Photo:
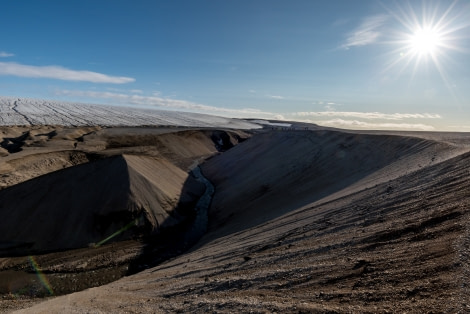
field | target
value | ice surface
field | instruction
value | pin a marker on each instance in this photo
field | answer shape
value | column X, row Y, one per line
column 26, row 111
column 265, row 122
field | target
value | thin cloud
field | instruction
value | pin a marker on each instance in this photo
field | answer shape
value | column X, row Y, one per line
column 4, row 54
column 367, row 125
column 276, row 97
column 59, row 73
column 369, row 115
column 156, row 101
column 367, row 33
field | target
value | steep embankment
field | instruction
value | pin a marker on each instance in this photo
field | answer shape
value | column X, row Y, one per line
column 84, row 204
column 276, row 172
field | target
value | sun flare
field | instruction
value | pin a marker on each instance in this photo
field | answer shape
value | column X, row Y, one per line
column 425, row 41
column 426, row 37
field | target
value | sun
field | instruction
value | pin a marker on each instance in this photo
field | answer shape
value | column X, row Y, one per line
column 426, row 37
column 425, row 41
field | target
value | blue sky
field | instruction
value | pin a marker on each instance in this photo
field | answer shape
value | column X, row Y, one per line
column 351, row 64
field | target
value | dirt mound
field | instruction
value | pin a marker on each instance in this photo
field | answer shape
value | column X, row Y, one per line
column 84, row 204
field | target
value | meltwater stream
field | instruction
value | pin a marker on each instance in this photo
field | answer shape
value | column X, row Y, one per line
column 174, row 242
column 199, row 226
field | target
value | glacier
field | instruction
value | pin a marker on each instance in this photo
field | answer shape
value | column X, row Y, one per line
column 28, row 111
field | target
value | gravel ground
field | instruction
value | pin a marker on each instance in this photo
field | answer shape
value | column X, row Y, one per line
column 394, row 240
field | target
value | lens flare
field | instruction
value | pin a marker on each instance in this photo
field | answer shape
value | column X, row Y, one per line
column 125, row 228
column 42, row 278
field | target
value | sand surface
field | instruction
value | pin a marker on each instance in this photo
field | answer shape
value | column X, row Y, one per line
column 301, row 221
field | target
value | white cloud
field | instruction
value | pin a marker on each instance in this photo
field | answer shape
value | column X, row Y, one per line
column 275, row 97
column 4, row 54
column 157, row 101
column 367, row 33
column 136, row 91
column 329, row 108
column 371, row 126
column 59, row 73
column 369, row 115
